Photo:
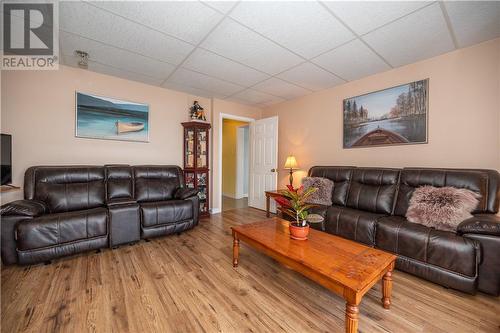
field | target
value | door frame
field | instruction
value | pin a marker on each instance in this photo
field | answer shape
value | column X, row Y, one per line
column 223, row 116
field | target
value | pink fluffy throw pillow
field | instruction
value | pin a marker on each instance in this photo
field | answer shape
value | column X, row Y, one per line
column 442, row 208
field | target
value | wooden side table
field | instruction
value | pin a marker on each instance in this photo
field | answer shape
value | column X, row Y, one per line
column 269, row 195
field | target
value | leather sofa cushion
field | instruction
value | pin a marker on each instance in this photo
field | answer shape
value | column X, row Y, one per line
column 474, row 180
column 373, row 189
column 352, row 224
column 119, row 182
column 156, row 183
column 340, row 176
column 56, row 229
column 165, row 212
column 65, row 189
column 435, row 247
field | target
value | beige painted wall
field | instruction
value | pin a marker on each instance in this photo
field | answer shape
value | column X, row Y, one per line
column 38, row 109
column 464, row 116
column 224, row 107
column 229, row 145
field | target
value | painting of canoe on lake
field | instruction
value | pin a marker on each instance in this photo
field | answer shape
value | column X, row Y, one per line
column 392, row 116
column 109, row 118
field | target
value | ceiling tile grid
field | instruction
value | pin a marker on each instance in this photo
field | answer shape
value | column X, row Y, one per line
column 265, row 52
column 186, row 20
column 113, row 71
column 352, row 61
column 91, row 22
column 201, row 81
column 280, row 88
column 365, row 16
column 422, row 35
column 311, row 77
column 214, row 65
column 254, row 97
column 239, row 43
column 302, row 27
column 111, row 56
column 474, row 22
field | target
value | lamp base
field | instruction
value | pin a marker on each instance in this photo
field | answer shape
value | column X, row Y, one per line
column 291, row 177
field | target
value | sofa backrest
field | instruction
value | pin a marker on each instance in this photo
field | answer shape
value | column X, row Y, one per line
column 483, row 182
column 156, row 183
column 373, row 189
column 341, row 177
column 119, row 181
column 65, row 188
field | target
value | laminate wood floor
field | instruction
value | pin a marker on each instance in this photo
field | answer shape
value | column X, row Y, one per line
column 187, row 283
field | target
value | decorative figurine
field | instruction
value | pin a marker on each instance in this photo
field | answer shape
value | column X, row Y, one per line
column 197, row 112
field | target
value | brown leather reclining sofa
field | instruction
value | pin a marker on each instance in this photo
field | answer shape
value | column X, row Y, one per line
column 72, row 209
column 370, row 204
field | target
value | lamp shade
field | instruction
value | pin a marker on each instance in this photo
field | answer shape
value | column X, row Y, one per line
column 291, row 163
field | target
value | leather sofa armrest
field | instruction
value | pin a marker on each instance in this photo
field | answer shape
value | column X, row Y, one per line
column 29, row 208
column 120, row 201
column 484, row 224
column 184, row 193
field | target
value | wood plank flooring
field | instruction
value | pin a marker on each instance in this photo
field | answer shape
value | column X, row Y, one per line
column 187, row 283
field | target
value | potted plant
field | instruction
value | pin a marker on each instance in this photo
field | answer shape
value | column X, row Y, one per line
column 292, row 202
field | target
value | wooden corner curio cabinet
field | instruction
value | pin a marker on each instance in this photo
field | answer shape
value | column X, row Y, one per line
column 196, row 163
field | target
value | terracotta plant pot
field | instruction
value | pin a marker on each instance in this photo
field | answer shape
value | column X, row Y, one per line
column 298, row 233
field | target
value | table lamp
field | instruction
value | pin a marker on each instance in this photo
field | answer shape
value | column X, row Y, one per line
column 291, row 164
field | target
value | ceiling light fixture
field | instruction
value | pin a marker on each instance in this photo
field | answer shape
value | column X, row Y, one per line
column 84, row 59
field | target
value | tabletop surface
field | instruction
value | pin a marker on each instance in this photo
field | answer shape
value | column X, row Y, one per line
column 352, row 264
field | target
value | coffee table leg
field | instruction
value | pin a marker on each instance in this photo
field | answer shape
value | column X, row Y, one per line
column 351, row 318
column 387, row 289
column 236, row 250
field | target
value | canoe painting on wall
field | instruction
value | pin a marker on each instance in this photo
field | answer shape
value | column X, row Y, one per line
column 108, row 118
column 393, row 116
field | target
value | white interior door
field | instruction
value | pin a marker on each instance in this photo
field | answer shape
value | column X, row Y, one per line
column 263, row 161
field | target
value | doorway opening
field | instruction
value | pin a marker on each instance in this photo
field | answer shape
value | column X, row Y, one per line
column 235, row 163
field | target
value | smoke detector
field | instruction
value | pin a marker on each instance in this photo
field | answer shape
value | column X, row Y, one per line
column 84, row 59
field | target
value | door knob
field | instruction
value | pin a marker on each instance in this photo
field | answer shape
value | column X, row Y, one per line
column 273, row 170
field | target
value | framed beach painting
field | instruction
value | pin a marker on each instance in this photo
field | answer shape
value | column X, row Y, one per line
column 393, row 116
column 108, row 118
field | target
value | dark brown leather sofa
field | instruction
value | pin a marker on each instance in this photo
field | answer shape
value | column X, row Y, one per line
column 370, row 204
column 73, row 209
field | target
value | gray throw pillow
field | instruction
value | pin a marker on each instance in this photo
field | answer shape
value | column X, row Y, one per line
column 442, row 208
column 323, row 196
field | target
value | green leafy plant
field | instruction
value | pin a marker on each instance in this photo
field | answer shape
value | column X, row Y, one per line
column 292, row 202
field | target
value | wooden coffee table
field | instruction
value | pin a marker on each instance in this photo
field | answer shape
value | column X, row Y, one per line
column 347, row 268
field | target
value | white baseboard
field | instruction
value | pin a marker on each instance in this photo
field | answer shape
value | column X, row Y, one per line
column 215, row 210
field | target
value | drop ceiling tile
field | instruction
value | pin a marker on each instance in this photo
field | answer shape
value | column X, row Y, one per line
column 221, row 6
column 236, row 42
column 303, row 27
column 187, row 20
column 418, row 36
column 281, row 88
column 310, row 76
column 219, row 67
column 189, row 78
column 352, row 61
column 364, row 16
column 474, row 22
column 253, row 97
column 93, row 23
column 111, row 56
column 108, row 70
column 189, row 90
